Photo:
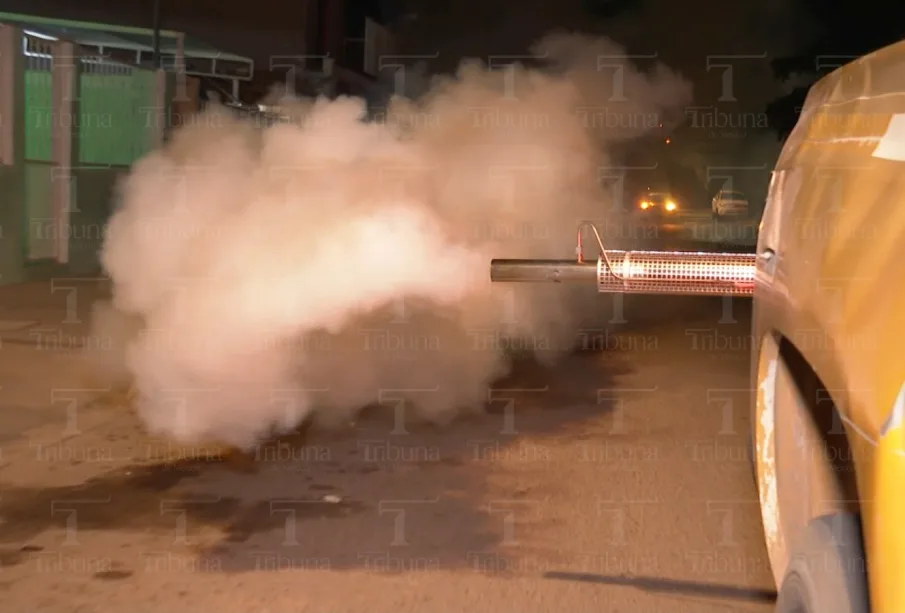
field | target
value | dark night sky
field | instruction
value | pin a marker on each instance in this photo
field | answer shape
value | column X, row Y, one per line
column 682, row 34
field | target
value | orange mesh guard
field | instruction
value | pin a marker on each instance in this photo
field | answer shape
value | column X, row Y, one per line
column 677, row 272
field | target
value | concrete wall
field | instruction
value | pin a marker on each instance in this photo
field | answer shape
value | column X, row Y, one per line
column 12, row 219
column 12, row 156
column 40, row 240
column 93, row 205
column 95, row 197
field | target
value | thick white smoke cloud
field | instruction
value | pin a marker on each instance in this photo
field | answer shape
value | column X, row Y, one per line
column 263, row 276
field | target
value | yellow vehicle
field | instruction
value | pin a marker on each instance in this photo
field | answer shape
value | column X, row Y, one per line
column 828, row 371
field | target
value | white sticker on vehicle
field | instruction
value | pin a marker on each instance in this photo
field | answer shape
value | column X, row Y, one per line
column 892, row 144
column 897, row 415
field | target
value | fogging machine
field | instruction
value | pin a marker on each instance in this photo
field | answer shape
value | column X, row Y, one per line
column 688, row 273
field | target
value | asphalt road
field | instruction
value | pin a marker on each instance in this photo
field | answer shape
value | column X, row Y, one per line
column 618, row 481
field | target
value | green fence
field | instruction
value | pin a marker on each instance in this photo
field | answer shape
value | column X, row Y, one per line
column 38, row 101
column 115, row 108
column 116, row 104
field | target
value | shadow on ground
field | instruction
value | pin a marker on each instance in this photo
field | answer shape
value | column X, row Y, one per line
column 383, row 497
column 672, row 586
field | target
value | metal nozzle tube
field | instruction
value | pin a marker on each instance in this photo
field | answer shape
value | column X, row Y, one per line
column 543, row 271
column 642, row 272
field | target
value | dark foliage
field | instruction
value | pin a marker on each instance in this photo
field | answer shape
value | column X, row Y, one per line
column 845, row 31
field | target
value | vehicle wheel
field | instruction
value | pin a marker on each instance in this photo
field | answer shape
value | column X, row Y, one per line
column 827, row 571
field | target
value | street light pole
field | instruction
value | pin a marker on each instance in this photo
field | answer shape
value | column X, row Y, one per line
column 156, row 27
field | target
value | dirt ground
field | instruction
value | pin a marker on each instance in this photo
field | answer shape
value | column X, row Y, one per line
column 619, row 481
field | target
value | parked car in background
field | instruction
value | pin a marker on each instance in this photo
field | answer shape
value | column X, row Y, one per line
column 730, row 202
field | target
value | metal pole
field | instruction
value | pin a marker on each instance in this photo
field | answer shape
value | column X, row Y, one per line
column 156, row 26
column 542, row 271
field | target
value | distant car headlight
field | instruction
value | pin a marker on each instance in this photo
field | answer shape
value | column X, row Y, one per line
column 645, row 205
column 671, row 206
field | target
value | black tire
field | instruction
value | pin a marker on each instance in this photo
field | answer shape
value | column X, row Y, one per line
column 826, row 574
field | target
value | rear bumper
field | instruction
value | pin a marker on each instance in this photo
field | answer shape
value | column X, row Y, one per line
column 735, row 209
column 658, row 213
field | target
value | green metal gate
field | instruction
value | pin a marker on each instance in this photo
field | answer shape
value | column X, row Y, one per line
column 116, row 108
column 116, row 105
column 38, row 243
